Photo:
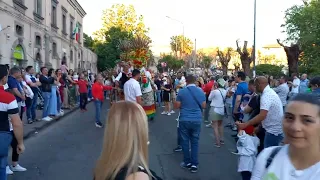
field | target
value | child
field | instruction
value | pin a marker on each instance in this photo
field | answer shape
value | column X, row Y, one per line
column 247, row 146
column 83, row 91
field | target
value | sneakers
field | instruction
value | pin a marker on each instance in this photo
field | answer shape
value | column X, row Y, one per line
column 178, row 149
column 47, row 118
column 164, row 112
column 169, row 114
column 185, row 166
column 194, row 169
column 8, row 171
column 99, row 125
column 209, row 125
column 18, row 168
column 172, row 112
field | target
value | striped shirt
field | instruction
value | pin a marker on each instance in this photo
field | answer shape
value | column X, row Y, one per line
column 8, row 106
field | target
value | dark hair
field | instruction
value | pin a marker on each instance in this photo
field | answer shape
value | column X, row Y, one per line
column 8, row 67
column 28, row 68
column 307, row 98
column 135, row 72
column 190, row 79
column 241, row 75
column 50, row 71
column 212, row 78
column 14, row 70
column 230, row 80
column 315, row 81
column 42, row 68
column 3, row 71
column 284, row 77
column 251, row 82
column 225, row 78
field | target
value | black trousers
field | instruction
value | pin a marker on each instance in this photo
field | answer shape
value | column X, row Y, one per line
column 83, row 100
column 246, row 175
column 14, row 145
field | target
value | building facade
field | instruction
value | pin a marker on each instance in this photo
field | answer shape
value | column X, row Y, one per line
column 43, row 33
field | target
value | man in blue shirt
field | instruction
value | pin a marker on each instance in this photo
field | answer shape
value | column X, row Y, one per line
column 190, row 100
column 238, row 96
column 14, row 86
column 304, row 83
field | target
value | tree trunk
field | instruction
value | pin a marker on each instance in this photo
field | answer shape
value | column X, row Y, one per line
column 246, row 66
column 224, row 69
column 293, row 54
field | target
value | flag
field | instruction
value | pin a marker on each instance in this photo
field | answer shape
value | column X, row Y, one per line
column 76, row 33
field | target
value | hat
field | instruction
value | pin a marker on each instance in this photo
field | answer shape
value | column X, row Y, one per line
column 221, row 82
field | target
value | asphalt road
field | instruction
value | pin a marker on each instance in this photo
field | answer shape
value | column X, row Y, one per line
column 68, row 149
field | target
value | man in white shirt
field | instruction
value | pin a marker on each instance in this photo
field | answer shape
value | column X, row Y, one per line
column 271, row 114
column 132, row 89
column 295, row 85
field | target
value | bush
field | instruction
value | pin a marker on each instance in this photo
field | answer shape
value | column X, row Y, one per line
column 269, row 69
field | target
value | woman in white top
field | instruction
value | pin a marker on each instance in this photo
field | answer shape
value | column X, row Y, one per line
column 217, row 97
column 300, row 158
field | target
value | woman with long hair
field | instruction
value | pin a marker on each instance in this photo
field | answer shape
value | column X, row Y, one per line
column 53, row 106
column 300, row 157
column 125, row 146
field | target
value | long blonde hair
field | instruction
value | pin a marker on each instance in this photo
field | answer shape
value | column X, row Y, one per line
column 125, row 143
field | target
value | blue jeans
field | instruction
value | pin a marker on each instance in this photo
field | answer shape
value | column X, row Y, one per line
column 158, row 93
column 46, row 98
column 179, row 138
column 206, row 111
column 89, row 93
column 59, row 103
column 190, row 134
column 98, row 105
column 272, row 140
column 31, row 111
column 5, row 141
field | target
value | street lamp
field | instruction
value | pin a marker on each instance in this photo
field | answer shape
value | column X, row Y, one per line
column 254, row 38
column 182, row 29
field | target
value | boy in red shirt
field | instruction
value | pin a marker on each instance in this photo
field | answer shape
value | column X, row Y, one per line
column 97, row 92
column 83, row 91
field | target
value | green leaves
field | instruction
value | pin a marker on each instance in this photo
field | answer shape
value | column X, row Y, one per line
column 181, row 44
column 269, row 69
column 172, row 63
column 302, row 24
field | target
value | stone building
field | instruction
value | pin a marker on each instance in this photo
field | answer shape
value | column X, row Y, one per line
column 40, row 33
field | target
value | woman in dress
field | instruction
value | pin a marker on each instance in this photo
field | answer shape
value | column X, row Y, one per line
column 125, row 147
column 53, row 106
column 166, row 96
column 300, row 158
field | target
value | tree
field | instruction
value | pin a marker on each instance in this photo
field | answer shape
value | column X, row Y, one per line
column 123, row 17
column 245, row 57
column 302, row 25
column 224, row 58
column 172, row 63
column 181, row 44
column 271, row 70
column 88, row 42
column 207, row 61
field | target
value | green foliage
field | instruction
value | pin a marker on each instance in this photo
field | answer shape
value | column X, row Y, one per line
column 172, row 63
column 182, row 44
column 88, row 42
column 120, row 23
column 207, row 61
column 302, row 24
column 271, row 70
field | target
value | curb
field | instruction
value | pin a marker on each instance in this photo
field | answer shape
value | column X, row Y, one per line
column 45, row 125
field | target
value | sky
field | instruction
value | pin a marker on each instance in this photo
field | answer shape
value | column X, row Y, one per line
column 210, row 22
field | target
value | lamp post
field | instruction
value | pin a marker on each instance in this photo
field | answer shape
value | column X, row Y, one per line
column 254, row 38
column 182, row 30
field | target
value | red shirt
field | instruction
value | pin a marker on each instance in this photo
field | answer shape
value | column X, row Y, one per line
column 83, row 86
column 207, row 88
column 98, row 90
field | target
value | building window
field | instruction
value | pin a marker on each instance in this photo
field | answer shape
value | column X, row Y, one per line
column 54, row 50
column 19, row 30
column 71, row 28
column 71, row 56
column 54, row 15
column 38, row 41
column 64, row 23
column 38, row 7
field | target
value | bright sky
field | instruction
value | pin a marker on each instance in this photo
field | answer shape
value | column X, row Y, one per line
column 210, row 22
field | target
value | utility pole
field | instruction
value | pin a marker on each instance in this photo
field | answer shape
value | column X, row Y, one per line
column 195, row 54
column 254, row 38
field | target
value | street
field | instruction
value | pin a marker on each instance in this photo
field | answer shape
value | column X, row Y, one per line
column 69, row 148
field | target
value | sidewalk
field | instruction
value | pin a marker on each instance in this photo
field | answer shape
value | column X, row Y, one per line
column 30, row 129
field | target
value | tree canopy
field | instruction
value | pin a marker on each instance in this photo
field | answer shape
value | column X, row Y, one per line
column 181, row 44
column 302, row 25
column 172, row 63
